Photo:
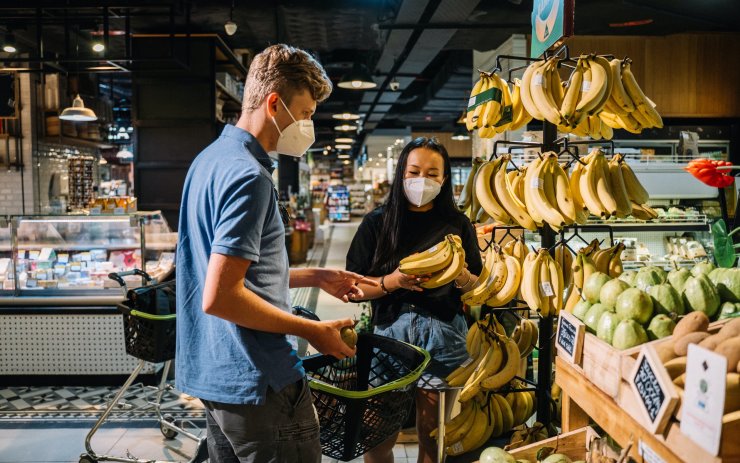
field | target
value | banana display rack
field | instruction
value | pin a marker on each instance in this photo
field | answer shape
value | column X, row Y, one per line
column 363, row 400
column 149, row 329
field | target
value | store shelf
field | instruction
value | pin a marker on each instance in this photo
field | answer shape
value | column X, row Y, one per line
column 226, row 92
column 79, row 142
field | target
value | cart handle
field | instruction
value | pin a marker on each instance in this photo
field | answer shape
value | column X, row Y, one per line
column 137, row 313
column 118, row 277
column 412, row 377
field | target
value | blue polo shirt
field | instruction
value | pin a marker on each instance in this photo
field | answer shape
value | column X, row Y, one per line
column 229, row 206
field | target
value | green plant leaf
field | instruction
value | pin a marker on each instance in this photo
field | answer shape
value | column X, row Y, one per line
column 724, row 249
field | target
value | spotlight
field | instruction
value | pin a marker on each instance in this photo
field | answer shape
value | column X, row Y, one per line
column 9, row 44
column 346, row 116
column 344, row 140
column 230, row 27
column 98, row 47
column 345, row 128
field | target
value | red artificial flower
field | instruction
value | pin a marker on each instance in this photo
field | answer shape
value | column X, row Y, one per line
column 705, row 170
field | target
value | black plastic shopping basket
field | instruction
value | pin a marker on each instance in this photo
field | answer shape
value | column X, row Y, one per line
column 149, row 320
column 363, row 400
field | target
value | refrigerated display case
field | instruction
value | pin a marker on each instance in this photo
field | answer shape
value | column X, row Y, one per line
column 58, row 314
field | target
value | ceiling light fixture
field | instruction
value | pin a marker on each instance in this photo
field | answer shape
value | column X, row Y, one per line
column 9, row 44
column 346, row 116
column 343, row 147
column 78, row 112
column 125, row 154
column 357, row 79
column 639, row 22
column 230, row 26
column 98, row 47
column 343, row 156
column 344, row 140
column 460, row 134
column 345, row 128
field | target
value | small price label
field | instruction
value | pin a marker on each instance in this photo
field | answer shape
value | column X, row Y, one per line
column 95, row 210
column 569, row 338
column 649, row 454
column 432, row 249
column 457, row 447
column 537, row 184
column 586, row 86
column 467, row 362
column 539, row 79
column 651, row 384
column 119, row 211
column 546, row 288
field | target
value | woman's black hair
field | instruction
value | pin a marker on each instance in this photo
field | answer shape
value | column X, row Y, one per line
column 396, row 207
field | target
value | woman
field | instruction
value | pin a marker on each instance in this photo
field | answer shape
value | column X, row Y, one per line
column 418, row 213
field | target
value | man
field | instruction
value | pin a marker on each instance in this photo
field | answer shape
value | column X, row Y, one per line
column 233, row 278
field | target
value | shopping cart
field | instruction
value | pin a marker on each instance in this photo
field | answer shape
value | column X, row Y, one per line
column 363, row 400
column 149, row 329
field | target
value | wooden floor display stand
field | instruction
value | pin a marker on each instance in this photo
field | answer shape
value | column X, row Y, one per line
column 582, row 401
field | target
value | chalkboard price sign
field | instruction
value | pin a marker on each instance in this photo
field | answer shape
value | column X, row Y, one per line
column 569, row 340
column 655, row 394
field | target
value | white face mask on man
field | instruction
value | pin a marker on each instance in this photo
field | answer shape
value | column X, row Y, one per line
column 420, row 191
column 296, row 138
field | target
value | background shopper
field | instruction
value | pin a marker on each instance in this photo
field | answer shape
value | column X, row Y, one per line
column 418, row 213
column 233, row 278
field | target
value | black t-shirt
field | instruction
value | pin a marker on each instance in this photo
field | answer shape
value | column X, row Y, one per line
column 419, row 231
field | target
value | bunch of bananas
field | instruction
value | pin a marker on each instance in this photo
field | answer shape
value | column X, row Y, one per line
column 498, row 282
column 494, row 361
column 494, row 108
column 609, row 188
column 525, row 335
column 592, row 259
column 628, row 108
column 542, row 283
column 443, row 262
column 600, row 95
column 524, row 435
column 564, row 257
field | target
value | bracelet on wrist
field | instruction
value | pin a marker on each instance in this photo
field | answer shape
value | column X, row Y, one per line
column 382, row 285
column 459, row 286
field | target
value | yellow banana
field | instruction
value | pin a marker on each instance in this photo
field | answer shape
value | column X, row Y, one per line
column 507, row 372
column 526, row 95
column 490, row 364
column 619, row 94
column 432, row 260
column 511, row 286
column 541, row 94
column 637, row 193
column 531, row 183
column 547, row 286
column 595, row 93
column 587, row 184
column 563, row 194
column 466, row 196
column 477, row 431
column 485, row 194
column 507, row 414
column 572, row 95
column 452, row 271
column 503, row 193
column 616, row 181
column 539, row 190
column 530, row 281
column 520, row 115
column 644, row 105
column 471, row 117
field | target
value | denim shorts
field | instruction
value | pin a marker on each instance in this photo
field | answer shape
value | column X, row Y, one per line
column 284, row 429
column 444, row 341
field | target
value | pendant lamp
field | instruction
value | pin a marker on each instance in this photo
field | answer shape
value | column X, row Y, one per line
column 78, row 112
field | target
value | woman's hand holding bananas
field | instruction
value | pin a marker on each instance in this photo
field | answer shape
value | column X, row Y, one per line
column 398, row 280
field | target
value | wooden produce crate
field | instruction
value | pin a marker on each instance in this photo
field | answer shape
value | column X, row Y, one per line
column 606, row 366
column 573, row 444
column 620, row 417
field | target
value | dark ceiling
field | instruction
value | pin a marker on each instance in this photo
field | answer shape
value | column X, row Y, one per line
column 424, row 45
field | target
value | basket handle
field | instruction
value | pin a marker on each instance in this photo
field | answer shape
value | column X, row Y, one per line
column 118, row 277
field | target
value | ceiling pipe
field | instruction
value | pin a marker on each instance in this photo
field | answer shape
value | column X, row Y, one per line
column 453, row 25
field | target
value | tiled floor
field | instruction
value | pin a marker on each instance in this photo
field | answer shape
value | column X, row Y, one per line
column 39, row 441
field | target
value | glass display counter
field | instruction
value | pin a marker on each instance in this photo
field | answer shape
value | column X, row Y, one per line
column 58, row 313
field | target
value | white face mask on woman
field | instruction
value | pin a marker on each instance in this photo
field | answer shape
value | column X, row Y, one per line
column 420, row 191
column 296, row 138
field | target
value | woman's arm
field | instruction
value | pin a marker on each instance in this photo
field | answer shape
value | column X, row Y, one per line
column 390, row 283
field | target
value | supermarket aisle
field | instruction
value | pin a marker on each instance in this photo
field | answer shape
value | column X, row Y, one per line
column 328, row 307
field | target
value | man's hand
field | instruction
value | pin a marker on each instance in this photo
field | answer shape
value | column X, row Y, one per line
column 342, row 284
column 326, row 338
